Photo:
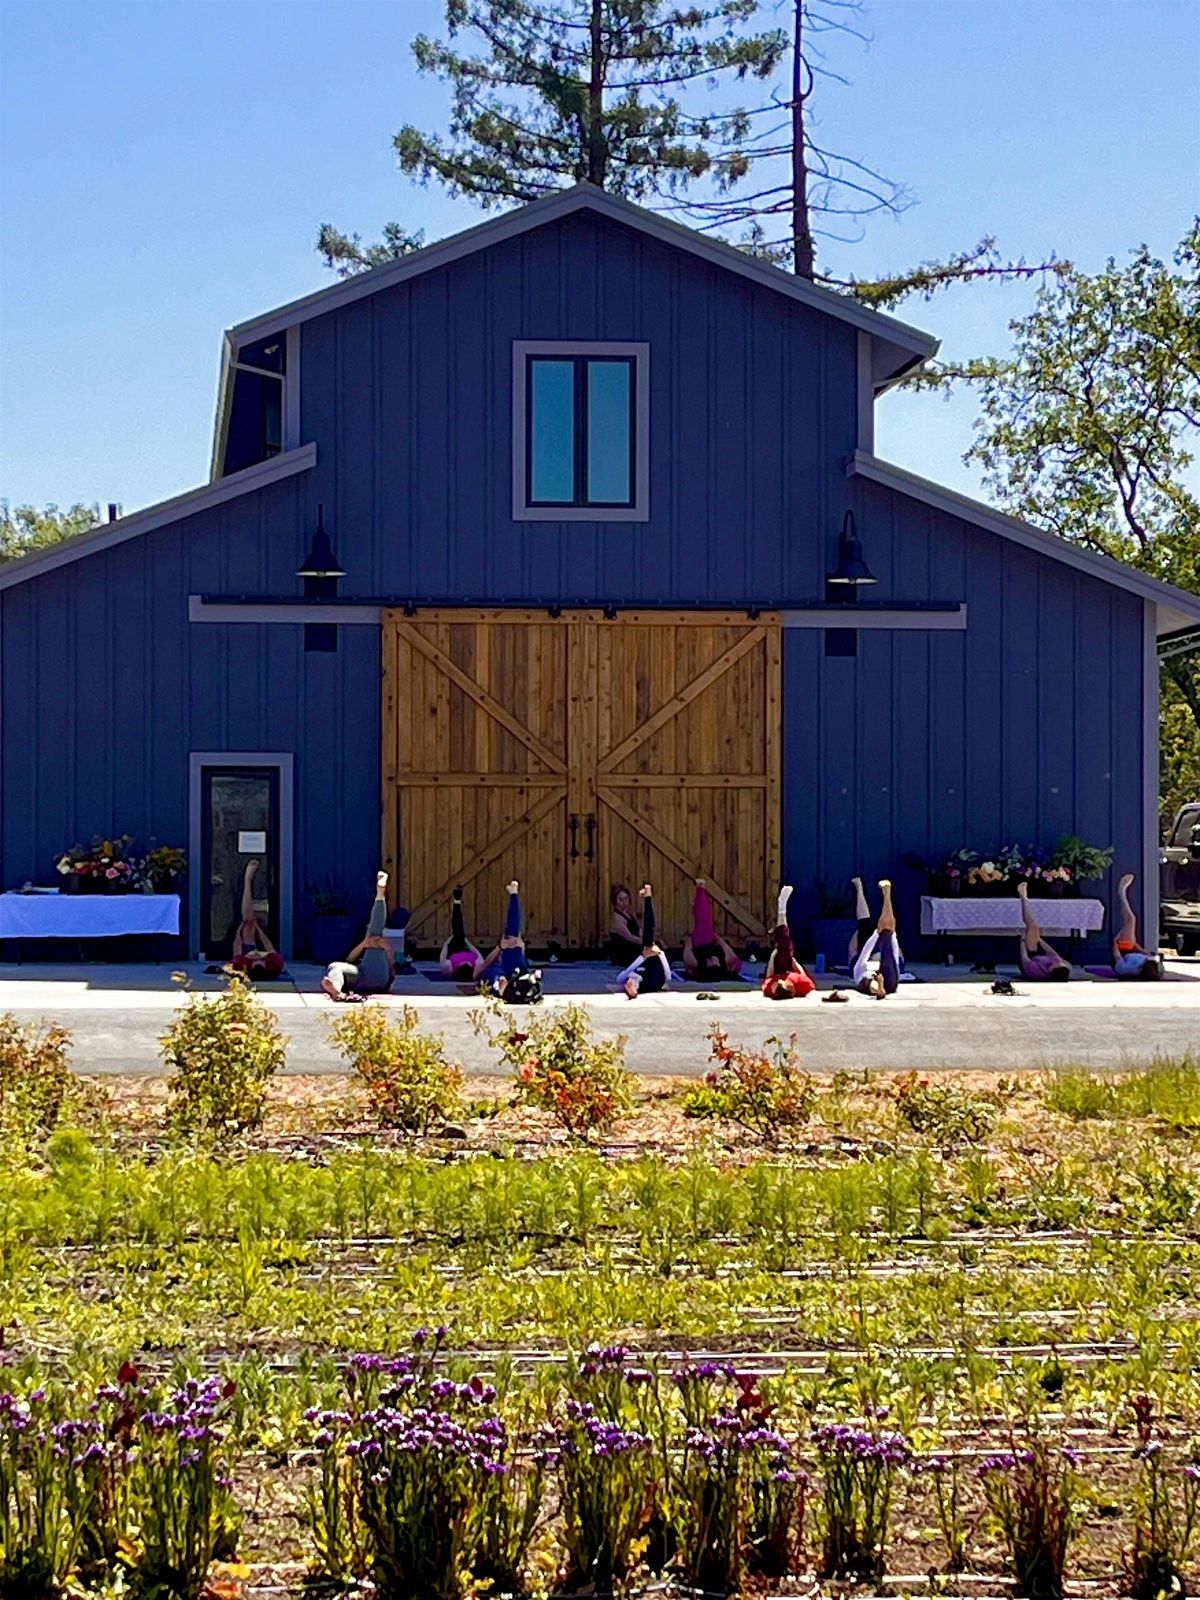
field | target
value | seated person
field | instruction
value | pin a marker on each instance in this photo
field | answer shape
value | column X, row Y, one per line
column 504, row 971
column 624, row 930
column 253, row 953
column 651, row 972
column 1039, row 962
column 877, row 966
column 706, row 956
column 370, row 966
column 459, row 956
column 785, row 978
column 1130, row 958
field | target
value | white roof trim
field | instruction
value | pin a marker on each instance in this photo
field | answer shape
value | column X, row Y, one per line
column 1175, row 606
column 140, row 522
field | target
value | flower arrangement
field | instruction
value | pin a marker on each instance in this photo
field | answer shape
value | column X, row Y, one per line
column 999, row 871
column 110, row 865
column 106, row 864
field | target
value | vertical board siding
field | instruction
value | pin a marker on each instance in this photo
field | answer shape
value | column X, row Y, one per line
column 1026, row 725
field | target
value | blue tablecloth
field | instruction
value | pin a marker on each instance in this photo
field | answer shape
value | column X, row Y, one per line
column 86, row 916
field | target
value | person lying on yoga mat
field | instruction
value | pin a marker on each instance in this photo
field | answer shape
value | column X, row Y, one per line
column 459, row 956
column 651, row 972
column 1131, row 959
column 877, row 967
column 1039, row 961
column 253, row 953
column 504, row 971
column 706, row 956
column 785, row 979
column 370, row 966
column 624, row 930
column 865, row 926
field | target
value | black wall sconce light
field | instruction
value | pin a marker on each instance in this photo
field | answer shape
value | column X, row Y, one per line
column 851, row 572
column 320, row 571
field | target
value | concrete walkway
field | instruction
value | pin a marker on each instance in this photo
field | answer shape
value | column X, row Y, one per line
column 949, row 1019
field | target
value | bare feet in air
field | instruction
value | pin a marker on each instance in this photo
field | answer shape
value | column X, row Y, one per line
column 1023, row 891
column 645, row 891
column 1125, row 880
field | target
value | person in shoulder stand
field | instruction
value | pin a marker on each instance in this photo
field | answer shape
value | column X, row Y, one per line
column 651, row 972
column 785, row 978
column 370, row 967
column 877, row 966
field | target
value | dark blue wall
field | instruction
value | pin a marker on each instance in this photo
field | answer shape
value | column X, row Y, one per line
column 1026, row 725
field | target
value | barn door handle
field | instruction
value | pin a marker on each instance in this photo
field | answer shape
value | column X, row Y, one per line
column 590, row 825
column 573, row 824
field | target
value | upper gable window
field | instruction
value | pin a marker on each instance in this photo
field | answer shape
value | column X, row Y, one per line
column 580, row 431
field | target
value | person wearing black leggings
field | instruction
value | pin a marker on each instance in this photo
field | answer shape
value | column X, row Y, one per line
column 877, row 969
column 459, row 956
column 650, row 972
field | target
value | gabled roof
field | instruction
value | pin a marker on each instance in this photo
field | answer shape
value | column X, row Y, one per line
column 1176, row 608
column 896, row 346
column 166, row 511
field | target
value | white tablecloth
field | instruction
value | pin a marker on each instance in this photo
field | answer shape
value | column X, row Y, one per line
column 86, row 916
column 964, row 914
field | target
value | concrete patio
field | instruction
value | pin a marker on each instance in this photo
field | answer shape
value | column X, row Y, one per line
column 946, row 1020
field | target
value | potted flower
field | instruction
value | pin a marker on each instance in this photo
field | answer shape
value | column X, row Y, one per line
column 955, row 869
column 331, row 927
column 159, row 868
column 1082, row 862
column 989, row 878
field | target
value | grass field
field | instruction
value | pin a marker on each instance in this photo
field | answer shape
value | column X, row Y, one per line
column 1009, row 1270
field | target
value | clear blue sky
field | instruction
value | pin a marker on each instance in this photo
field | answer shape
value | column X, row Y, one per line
column 164, row 165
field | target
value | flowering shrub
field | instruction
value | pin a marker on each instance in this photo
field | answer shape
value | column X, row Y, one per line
column 35, row 1076
column 767, row 1094
column 944, row 1111
column 1166, row 1513
column 421, row 1486
column 858, row 1470
column 738, row 1500
column 112, row 1487
column 1031, row 1491
column 606, row 1487
column 222, row 1051
column 560, row 1069
column 410, row 1084
column 182, row 1485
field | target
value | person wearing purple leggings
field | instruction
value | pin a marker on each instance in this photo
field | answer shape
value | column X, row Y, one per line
column 877, row 968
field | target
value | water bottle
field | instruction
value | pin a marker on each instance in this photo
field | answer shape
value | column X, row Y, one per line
column 820, row 961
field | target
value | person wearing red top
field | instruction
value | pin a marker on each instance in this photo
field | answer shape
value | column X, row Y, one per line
column 786, row 979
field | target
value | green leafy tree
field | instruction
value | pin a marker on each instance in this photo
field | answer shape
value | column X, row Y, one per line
column 26, row 528
column 621, row 93
column 1089, row 428
column 568, row 91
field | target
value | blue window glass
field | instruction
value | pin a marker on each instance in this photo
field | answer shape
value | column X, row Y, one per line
column 552, row 432
column 609, row 432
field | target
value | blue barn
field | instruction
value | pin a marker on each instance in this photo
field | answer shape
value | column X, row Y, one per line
column 522, row 556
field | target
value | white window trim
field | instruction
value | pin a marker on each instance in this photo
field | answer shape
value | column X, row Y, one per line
column 639, row 511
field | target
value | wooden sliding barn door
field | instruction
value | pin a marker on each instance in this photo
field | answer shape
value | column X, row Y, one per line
column 475, row 773
column 687, row 768
column 574, row 753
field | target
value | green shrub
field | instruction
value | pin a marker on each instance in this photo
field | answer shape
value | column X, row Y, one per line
column 580, row 1081
column 1166, row 1087
column 35, row 1077
column 222, row 1051
column 766, row 1094
column 410, row 1084
column 943, row 1111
